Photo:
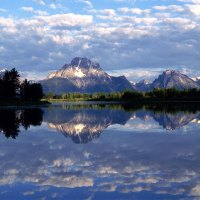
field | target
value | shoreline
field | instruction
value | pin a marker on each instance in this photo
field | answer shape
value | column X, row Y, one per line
column 139, row 101
column 24, row 103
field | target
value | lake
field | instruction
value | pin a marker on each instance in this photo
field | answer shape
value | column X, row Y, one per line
column 100, row 151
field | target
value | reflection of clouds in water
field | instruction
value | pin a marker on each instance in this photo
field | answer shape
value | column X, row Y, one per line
column 195, row 191
column 119, row 161
column 136, row 125
column 122, row 162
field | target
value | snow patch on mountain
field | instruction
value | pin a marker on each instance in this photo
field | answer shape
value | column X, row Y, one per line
column 79, row 128
column 79, row 73
column 174, row 79
column 86, row 76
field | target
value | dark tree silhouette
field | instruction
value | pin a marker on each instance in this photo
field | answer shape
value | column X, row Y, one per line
column 31, row 91
column 36, row 91
column 12, row 89
column 11, row 84
column 24, row 90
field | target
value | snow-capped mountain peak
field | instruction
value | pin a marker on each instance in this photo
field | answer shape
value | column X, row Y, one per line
column 84, row 75
column 79, row 73
column 174, row 79
column 78, row 68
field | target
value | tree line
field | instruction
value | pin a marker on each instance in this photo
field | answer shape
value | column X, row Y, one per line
column 132, row 95
column 11, row 88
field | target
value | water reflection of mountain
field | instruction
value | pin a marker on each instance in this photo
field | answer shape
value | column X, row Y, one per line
column 12, row 119
column 84, row 123
column 174, row 121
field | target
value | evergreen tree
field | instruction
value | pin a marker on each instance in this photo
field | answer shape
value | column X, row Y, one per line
column 31, row 91
column 11, row 84
column 25, row 90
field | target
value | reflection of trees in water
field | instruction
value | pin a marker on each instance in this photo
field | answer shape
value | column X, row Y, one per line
column 9, row 123
column 10, row 120
column 85, row 122
column 32, row 117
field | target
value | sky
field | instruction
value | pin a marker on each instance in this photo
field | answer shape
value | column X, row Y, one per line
column 135, row 38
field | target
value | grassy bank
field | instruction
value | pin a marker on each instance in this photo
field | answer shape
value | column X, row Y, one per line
column 155, row 96
column 129, row 101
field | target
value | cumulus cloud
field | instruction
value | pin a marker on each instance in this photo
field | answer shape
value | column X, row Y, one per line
column 123, row 37
column 132, row 163
column 87, row 2
column 56, row 6
column 62, row 20
column 194, row 9
column 37, row 12
column 138, row 74
column 136, row 11
column 40, row 2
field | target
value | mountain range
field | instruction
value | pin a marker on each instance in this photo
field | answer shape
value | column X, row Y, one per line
column 83, row 124
column 85, row 76
column 168, row 79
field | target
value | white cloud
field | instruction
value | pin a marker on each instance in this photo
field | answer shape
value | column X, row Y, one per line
column 28, row 9
column 56, row 6
column 136, row 11
column 3, row 10
column 194, row 9
column 164, row 34
column 132, row 2
column 40, row 2
column 37, row 12
column 171, row 8
column 69, row 19
column 137, row 74
column 87, row 2
column 190, row 1
column 106, row 12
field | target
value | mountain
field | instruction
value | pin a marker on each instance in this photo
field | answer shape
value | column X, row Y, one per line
column 83, row 124
column 83, row 75
column 143, row 86
column 197, row 80
column 174, row 79
column 175, row 121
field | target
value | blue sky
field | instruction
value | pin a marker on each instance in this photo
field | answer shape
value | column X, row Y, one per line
column 137, row 38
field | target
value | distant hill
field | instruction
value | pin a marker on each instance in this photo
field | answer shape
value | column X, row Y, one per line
column 143, row 85
column 168, row 79
column 197, row 80
column 174, row 79
column 86, row 76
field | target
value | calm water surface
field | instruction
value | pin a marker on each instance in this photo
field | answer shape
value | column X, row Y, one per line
column 72, row 151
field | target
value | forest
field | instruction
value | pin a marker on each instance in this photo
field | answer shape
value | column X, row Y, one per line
column 12, row 88
column 171, row 94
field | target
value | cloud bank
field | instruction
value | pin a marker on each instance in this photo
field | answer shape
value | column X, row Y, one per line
column 121, row 35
